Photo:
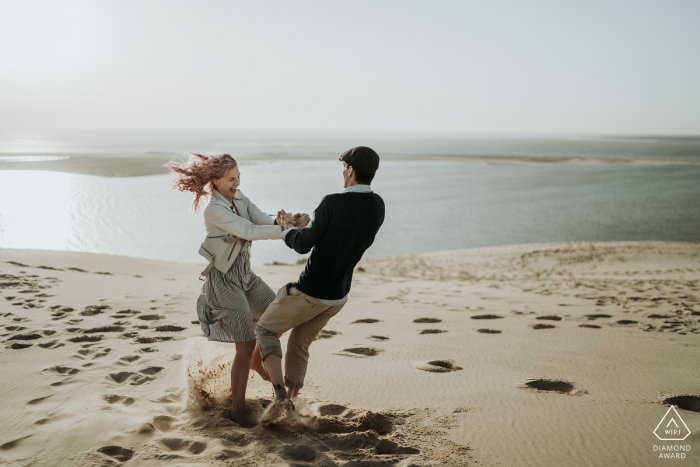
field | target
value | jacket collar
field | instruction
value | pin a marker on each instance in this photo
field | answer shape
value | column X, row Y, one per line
column 218, row 197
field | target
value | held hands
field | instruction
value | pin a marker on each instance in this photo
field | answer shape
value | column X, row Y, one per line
column 301, row 220
column 288, row 221
column 283, row 218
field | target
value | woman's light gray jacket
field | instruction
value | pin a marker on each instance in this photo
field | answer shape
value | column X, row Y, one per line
column 225, row 228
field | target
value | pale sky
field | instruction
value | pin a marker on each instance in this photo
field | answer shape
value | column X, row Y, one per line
column 606, row 67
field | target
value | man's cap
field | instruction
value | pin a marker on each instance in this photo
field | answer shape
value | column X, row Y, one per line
column 362, row 159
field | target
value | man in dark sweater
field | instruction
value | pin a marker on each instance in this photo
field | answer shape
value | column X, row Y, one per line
column 344, row 226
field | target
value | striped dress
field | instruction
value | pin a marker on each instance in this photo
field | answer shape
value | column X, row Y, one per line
column 230, row 304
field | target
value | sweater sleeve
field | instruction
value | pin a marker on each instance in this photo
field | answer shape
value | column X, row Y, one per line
column 222, row 218
column 303, row 240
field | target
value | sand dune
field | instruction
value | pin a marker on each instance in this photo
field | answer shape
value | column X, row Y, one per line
column 553, row 354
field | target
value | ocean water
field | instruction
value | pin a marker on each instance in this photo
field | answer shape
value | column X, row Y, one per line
column 430, row 206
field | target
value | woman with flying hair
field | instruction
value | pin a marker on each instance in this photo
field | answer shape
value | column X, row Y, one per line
column 233, row 297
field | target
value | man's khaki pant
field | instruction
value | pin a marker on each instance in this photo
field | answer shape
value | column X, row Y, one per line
column 305, row 316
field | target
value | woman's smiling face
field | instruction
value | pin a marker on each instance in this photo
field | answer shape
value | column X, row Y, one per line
column 228, row 184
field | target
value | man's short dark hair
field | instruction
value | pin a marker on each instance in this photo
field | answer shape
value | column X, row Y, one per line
column 364, row 162
column 364, row 178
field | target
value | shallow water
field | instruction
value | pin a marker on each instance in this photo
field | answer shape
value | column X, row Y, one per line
column 431, row 206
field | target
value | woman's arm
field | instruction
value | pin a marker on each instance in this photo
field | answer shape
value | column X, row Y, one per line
column 222, row 218
column 257, row 216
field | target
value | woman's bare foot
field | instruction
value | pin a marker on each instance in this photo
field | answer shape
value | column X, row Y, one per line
column 241, row 418
column 256, row 365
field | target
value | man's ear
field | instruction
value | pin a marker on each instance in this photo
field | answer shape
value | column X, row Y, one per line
column 351, row 173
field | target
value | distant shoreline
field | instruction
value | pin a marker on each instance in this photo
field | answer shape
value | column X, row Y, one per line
column 144, row 164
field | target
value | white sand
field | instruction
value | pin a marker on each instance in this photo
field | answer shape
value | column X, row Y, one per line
column 132, row 398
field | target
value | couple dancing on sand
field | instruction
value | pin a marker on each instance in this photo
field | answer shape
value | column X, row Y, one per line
column 235, row 305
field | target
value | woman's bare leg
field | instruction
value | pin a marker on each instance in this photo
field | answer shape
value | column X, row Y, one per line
column 256, row 364
column 239, row 381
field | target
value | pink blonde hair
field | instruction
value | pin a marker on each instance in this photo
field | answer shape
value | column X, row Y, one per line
column 197, row 174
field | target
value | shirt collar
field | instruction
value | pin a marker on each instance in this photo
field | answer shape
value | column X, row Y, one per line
column 358, row 189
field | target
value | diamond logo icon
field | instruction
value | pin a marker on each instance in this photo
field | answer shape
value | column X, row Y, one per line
column 672, row 427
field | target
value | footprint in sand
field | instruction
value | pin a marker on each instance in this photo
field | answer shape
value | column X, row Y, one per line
column 331, row 409
column 627, row 321
column 62, row 370
column 152, row 340
column 488, row 331
column 163, row 422
column 597, row 316
column 86, row 338
column 427, row 320
column 550, row 318
column 134, row 379
column 76, row 269
column 125, row 314
column 115, row 399
column 104, row 329
column 360, row 352
column 94, row 353
column 13, row 444
column 152, row 370
column 590, row 326
column 486, row 317
column 169, row 328
column 178, row 444
column 126, row 359
column 431, row 331
column 541, row 326
column 151, row 317
column 439, row 366
column 366, row 320
column 169, row 399
column 51, row 345
column 18, row 346
column 38, row 400
column 93, row 310
column 689, row 402
column 116, row 452
column 559, row 386
column 378, row 338
column 25, row 337
column 325, row 334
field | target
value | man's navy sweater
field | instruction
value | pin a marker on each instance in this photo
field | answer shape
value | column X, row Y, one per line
column 344, row 226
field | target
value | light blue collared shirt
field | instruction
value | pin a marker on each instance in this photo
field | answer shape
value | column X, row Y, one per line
column 351, row 189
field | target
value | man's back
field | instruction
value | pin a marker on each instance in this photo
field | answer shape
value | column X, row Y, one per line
column 344, row 226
